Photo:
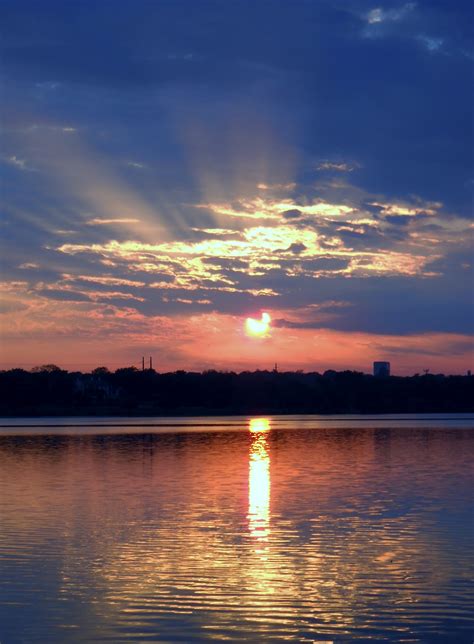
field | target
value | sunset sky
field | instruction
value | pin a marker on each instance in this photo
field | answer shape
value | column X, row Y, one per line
column 169, row 169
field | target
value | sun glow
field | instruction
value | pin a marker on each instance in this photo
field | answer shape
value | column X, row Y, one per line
column 258, row 327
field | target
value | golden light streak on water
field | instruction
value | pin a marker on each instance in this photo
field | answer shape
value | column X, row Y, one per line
column 259, row 480
column 259, row 425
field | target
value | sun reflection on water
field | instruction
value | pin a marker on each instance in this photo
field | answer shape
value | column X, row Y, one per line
column 259, row 480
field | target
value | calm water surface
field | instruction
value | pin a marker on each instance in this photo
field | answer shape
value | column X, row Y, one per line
column 299, row 529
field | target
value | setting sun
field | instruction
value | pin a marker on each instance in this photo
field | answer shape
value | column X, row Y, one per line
column 258, row 327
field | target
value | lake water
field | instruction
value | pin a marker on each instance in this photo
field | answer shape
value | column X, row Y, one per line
column 299, row 529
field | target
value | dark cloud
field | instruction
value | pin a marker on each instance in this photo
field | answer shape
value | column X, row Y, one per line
column 292, row 214
column 451, row 347
column 363, row 237
column 296, row 248
column 66, row 296
column 326, row 264
column 398, row 220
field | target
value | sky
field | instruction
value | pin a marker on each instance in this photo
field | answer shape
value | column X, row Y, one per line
column 169, row 169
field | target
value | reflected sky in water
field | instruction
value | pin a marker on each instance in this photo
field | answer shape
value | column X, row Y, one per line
column 256, row 533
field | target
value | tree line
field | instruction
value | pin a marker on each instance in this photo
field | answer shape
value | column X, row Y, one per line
column 49, row 390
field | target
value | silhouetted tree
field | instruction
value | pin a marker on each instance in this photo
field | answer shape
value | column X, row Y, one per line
column 48, row 390
column 100, row 371
column 46, row 368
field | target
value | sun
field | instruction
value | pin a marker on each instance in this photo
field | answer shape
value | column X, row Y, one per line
column 258, row 328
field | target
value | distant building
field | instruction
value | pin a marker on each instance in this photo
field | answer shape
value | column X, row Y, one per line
column 381, row 369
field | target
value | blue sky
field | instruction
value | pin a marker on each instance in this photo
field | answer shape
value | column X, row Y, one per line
column 168, row 166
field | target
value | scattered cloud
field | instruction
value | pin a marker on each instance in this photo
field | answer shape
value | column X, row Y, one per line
column 428, row 209
column 50, row 85
column 102, row 279
column 28, row 265
column 337, row 167
column 48, row 127
column 260, row 208
column 379, row 15
column 430, row 42
column 185, row 260
column 188, row 56
column 64, row 291
column 277, row 186
column 136, row 165
column 97, row 221
column 18, row 163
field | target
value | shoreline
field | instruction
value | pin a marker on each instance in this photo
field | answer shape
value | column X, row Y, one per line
column 233, row 419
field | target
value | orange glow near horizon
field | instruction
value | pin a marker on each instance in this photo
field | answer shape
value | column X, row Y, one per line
column 86, row 335
column 259, row 480
column 258, row 328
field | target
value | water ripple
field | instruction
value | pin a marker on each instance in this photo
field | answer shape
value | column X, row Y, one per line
column 258, row 534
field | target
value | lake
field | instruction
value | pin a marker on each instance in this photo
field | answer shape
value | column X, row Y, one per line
column 301, row 529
